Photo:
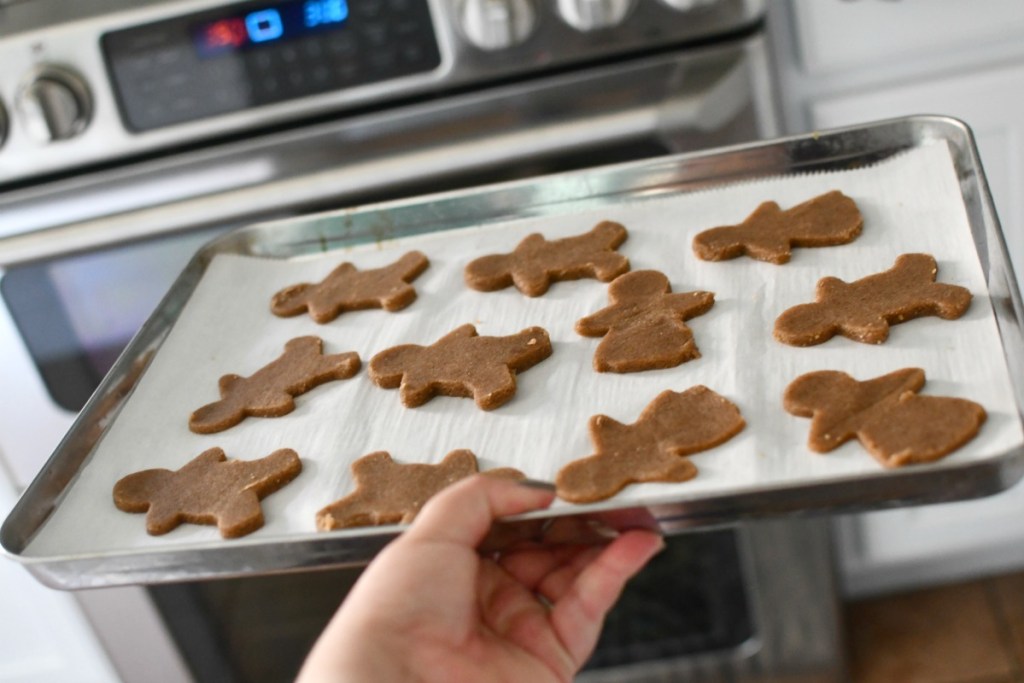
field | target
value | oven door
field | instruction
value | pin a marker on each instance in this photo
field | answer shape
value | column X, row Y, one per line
column 86, row 258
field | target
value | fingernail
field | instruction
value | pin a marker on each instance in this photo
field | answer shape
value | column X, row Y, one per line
column 537, row 484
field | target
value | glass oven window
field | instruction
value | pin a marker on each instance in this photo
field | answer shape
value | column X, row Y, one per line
column 77, row 313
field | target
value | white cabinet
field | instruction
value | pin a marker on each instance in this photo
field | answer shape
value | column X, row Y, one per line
column 841, row 62
column 44, row 637
column 990, row 101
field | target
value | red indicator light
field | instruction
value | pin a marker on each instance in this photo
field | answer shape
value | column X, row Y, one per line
column 226, row 33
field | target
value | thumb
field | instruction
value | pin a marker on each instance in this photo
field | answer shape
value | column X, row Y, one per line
column 464, row 512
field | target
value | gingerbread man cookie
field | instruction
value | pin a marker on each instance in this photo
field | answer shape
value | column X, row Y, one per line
column 271, row 390
column 896, row 425
column 673, row 425
column 390, row 493
column 210, row 489
column 644, row 326
column 461, row 364
column 536, row 262
column 769, row 234
column 348, row 289
column 863, row 310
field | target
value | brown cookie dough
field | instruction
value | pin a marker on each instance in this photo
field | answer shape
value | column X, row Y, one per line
column 536, row 262
column 644, row 326
column 271, row 390
column 651, row 449
column 769, row 233
column 348, row 289
column 896, row 425
column 863, row 310
column 210, row 489
column 461, row 364
column 390, row 493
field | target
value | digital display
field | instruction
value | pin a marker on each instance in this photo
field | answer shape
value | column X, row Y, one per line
column 269, row 24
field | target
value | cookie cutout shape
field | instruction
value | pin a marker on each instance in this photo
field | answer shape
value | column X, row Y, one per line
column 644, row 326
column 461, row 363
column 271, row 390
column 673, row 425
column 863, row 310
column 390, row 493
column 769, row 233
column 536, row 262
column 210, row 489
column 348, row 289
column 896, row 425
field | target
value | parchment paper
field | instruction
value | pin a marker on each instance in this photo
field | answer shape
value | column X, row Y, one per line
column 910, row 203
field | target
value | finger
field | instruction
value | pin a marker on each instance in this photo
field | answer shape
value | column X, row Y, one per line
column 557, row 583
column 463, row 512
column 577, row 618
column 530, row 566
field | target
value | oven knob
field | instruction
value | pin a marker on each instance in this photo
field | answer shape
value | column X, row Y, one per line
column 497, row 24
column 685, row 5
column 55, row 104
column 591, row 15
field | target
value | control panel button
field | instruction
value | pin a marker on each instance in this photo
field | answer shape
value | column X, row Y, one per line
column 55, row 104
column 592, row 15
column 496, row 24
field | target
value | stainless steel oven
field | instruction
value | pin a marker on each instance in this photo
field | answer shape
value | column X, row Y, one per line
column 132, row 132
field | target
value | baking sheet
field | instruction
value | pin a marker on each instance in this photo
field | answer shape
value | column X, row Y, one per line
column 910, row 203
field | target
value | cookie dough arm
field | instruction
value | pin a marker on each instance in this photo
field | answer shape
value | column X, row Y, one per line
column 597, row 324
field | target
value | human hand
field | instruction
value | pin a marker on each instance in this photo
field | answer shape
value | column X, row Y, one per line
column 431, row 607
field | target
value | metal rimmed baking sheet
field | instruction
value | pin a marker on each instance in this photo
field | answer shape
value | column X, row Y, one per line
column 916, row 180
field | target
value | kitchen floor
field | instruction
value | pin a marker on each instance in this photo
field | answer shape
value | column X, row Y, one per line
column 969, row 632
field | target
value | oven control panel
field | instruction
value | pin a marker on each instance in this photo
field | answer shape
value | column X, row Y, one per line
column 252, row 54
column 97, row 82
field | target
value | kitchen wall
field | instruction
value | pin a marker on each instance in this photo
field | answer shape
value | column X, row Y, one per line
column 843, row 62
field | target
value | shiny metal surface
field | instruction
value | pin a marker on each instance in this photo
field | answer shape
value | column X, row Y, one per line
column 31, row 37
column 497, row 24
column 3, row 124
column 594, row 15
column 841, row 148
column 681, row 100
column 54, row 104
column 796, row 616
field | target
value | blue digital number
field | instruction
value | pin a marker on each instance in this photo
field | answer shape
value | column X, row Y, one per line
column 322, row 12
column 264, row 25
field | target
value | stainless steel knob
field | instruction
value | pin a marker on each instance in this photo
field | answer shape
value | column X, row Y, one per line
column 685, row 5
column 591, row 15
column 497, row 24
column 54, row 104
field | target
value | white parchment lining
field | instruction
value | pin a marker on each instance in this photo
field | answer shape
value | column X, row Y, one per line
column 911, row 203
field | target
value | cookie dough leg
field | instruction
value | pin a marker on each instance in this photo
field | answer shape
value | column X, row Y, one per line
column 240, row 516
column 493, row 386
